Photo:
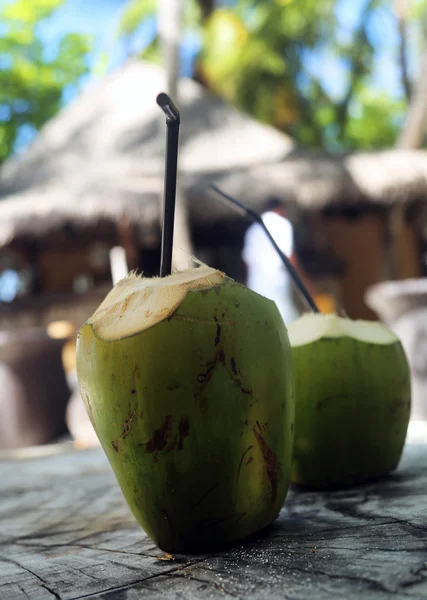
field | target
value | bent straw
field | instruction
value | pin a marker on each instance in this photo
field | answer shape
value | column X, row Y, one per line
column 254, row 216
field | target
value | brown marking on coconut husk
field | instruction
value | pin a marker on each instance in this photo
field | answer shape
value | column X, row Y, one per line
column 177, row 441
column 211, row 365
column 243, row 389
column 115, row 445
column 171, row 446
column 161, row 436
column 127, row 424
column 218, row 334
column 248, row 449
column 237, row 377
column 205, row 377
column 183, row 431
column 271, row 462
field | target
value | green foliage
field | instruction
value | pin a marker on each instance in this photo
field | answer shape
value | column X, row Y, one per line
column 375, row 120
column 253, row 55
column 32, row 84
column 133, row 15
column 256, row 54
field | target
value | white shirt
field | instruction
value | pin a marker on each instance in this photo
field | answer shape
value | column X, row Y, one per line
column 267, row 275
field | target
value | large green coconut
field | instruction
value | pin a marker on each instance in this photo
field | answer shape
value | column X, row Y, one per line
column 353, row 400
column 188, row 382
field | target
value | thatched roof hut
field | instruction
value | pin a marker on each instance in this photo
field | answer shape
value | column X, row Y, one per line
column 99, row 164
column 102, row 157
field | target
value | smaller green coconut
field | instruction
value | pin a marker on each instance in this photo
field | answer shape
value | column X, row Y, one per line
column 353, row 400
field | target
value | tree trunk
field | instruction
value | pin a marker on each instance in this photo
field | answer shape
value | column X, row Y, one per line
column 401, row 8
column 414, row 129
column 169, row 23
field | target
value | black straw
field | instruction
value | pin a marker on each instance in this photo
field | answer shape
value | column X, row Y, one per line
column 254, row 216
column 171, row 164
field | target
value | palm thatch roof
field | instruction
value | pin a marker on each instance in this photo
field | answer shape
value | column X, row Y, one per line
column 318, row 180
column 102, row 157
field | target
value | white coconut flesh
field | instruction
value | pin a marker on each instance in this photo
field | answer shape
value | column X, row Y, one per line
column 138, row 303
column 312, row 327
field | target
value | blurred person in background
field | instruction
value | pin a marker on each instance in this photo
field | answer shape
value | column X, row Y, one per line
column 266, row 273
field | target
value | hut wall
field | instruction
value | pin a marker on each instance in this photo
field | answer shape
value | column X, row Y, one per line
column 407, row 252
column 359, row 241
column 59, row 268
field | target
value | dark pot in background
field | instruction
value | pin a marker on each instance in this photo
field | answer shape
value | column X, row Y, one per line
column 33, row 388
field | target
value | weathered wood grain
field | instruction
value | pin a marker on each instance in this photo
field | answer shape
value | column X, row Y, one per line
column 67, row 534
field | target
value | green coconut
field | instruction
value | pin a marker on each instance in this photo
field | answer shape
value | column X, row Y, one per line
column 188, row 383
column 353, row 398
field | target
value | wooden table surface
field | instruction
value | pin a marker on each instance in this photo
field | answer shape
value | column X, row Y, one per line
column 66, row 533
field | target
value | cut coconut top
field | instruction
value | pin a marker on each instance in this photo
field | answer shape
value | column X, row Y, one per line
column 137, row 303
column 312, row 327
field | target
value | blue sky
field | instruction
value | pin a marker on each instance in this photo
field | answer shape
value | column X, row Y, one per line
column 98, row 18
column 91, row 17
column 383, row 35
